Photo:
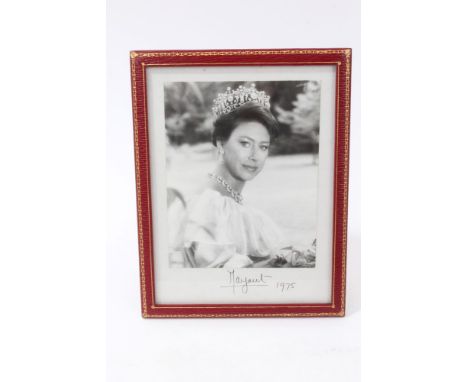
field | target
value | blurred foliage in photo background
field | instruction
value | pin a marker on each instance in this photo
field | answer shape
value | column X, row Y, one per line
column 296, row 105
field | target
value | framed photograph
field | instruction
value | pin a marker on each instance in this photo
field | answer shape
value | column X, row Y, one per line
column 241, row 160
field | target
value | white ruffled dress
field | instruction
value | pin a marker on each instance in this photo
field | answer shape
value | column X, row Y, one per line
column 216, row 231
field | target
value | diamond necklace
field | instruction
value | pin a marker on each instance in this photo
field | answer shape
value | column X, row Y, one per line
column 235, row 195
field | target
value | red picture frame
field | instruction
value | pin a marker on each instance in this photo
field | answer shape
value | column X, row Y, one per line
column 140, row 61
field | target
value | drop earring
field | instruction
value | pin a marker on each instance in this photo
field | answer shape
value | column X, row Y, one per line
column 221, row 155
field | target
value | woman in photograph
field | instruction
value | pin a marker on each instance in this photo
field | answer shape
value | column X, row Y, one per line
column 217, row 229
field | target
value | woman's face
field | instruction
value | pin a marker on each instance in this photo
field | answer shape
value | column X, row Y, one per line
column 246, row 150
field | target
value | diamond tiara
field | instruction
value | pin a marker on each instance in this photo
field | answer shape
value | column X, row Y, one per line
column 233, row 99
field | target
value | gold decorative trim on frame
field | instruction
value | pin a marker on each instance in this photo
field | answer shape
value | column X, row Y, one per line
column 341, row 313
column 346, row 173
column 138, row 190
column 135, row 54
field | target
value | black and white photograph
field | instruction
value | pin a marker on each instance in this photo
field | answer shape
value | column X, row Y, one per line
column 241, row 171
column 242, row 162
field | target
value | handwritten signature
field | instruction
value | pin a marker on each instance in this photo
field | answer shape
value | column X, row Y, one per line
column 243, row 283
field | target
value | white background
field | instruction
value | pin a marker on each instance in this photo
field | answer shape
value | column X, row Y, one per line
column 213, row 349
column 52, row 206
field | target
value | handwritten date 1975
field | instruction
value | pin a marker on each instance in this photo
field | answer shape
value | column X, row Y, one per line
column 283, row 286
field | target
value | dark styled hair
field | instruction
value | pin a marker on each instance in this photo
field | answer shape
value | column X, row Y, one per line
column 225, row 124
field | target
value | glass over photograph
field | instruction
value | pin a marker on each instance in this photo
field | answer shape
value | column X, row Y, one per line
column 242, row 173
